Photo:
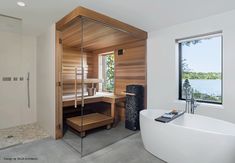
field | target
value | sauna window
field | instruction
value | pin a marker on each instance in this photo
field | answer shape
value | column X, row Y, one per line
column 200, row 61
column 107, row 72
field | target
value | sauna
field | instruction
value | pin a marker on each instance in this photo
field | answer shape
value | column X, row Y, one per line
column 96, row 58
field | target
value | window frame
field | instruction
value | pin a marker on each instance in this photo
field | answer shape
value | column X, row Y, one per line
column 179, row 46
column 102, row 69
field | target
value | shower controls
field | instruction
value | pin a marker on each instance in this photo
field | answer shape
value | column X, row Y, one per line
column 12, row 79
column 6, row 79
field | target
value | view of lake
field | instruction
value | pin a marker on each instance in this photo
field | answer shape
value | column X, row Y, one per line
column 210, row 87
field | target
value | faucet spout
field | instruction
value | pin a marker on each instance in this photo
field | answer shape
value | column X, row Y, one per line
column 194, row 105
column 191, row 103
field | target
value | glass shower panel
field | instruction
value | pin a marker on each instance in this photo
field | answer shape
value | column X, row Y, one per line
column 14, row 88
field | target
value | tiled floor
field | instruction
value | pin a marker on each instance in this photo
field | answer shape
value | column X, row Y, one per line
column 21, row 134
column 128, row 150
column 97, row 138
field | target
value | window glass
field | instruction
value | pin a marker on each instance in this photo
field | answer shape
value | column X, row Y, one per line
column 201, row 63
column 108, row 72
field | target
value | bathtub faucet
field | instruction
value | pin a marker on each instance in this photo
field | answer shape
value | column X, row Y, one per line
column 191, row 103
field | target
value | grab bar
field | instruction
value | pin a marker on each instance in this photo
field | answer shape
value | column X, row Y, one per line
column 28, row 88
column 126, row 93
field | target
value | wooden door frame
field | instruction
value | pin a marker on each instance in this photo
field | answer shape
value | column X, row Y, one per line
column 59, row 87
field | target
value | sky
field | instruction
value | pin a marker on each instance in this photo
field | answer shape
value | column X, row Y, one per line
column 204, row 56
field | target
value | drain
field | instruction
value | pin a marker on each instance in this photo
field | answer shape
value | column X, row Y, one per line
column 10, row 136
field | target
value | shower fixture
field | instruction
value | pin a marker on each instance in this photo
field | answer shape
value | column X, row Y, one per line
column 28, row 88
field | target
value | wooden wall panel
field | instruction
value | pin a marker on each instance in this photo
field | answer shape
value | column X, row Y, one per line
column 130, row 68
column 95, row 36
column 92, row 62
column 72, row 59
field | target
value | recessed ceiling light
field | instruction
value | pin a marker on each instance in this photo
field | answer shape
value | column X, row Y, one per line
column 21, row 4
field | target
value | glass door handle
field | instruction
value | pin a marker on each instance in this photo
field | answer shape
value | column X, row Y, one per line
column 75, row 88
column 82, row 86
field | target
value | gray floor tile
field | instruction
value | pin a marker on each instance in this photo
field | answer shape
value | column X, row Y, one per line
column 129, row 150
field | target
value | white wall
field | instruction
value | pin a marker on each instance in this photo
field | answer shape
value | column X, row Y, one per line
column 46, row 80
column 17, row 57
column 163, row 65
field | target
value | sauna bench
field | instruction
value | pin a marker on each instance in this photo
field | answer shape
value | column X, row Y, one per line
column 99, row 97
column 89, row 121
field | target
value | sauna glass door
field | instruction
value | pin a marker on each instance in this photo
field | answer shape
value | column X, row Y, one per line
column 14, row 82
column 73, row 91
column 98, row 62
column 103, row 113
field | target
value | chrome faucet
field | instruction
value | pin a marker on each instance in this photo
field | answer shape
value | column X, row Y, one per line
column 191, row 103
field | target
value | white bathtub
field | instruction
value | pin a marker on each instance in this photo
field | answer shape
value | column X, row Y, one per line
column 188, row 139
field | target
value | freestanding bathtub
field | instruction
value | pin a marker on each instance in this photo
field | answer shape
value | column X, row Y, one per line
column 190, row 138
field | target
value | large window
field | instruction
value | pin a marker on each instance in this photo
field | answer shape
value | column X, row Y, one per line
column 107, row 72
column 200, row 61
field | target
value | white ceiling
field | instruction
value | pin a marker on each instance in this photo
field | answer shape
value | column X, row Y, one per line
column 148, row 15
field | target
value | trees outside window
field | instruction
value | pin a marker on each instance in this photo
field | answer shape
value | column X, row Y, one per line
column 108, row 72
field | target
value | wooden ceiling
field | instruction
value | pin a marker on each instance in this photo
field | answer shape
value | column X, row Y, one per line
column 96, row 35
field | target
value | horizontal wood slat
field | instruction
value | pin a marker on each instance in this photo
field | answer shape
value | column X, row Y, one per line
column 95, row 36
column 130, row 68
column 72, row 59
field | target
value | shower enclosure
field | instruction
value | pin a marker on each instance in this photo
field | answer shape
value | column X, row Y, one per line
column 11, row 79
column 16, row 102
column 90, row 52
column 17, row 85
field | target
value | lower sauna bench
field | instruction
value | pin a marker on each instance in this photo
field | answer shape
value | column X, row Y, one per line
column 90, row 121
